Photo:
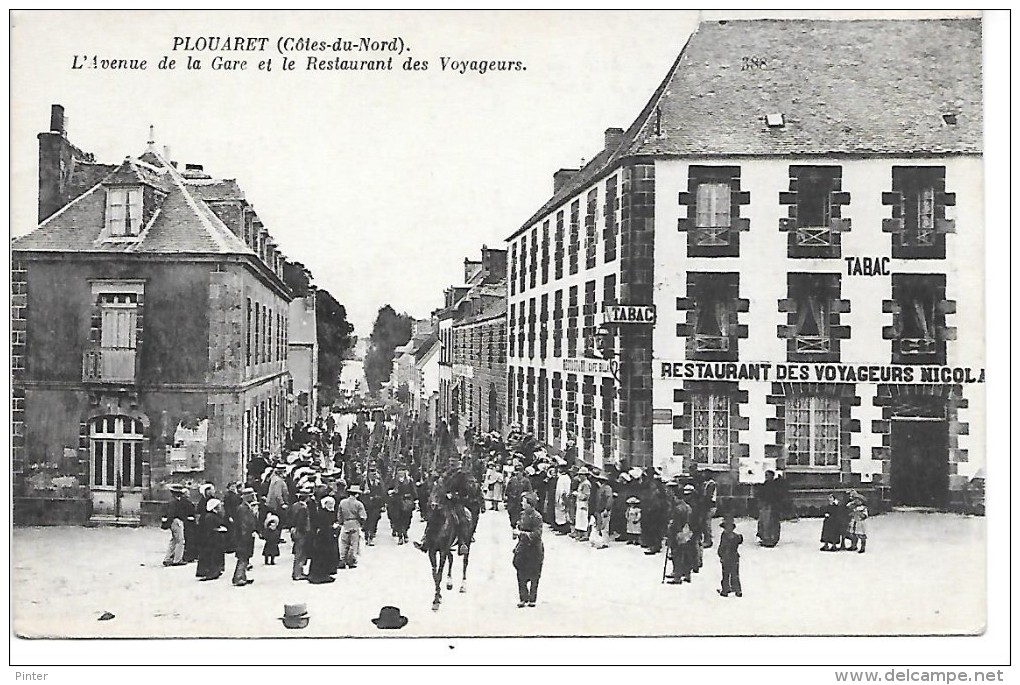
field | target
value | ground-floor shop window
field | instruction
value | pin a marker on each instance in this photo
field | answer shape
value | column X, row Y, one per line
column 710, row 435
column 812, row 431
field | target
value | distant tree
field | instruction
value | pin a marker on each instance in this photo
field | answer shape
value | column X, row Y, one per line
column 391, row 330
column 403, row 394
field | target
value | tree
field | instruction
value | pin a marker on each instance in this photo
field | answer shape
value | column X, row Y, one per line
column 333, row 332
column 391, row 330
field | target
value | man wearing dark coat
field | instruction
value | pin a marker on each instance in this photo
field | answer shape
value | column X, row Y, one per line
column 455, row 491
column 402, row 500
column 769, row 525
column 529, row 554
column 300, row 533
column 373, row 493
column 325, row 551
column 679, row 537
column 515, row 489
column 654, row 516
column 245, row 525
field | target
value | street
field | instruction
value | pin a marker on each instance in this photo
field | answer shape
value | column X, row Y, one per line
column 923, row 573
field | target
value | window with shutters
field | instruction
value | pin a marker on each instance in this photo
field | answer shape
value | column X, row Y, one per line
column 111, row 357
column 124, row 212
column 812, row 431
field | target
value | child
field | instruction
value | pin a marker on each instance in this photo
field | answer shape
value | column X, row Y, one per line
column 729, row 558
column 271, row 534
column 857, row 508
column 633, row 517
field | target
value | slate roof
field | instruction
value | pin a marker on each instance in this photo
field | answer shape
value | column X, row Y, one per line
column 850, row 87
column 425, row 346
column 182, row 224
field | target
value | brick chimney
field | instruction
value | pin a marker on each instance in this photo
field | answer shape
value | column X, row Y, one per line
column 56, row 164
column 562, row 177
column 613, row 138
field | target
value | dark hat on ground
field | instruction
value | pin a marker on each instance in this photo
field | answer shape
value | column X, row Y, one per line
column 295, row 615
column 390, row 618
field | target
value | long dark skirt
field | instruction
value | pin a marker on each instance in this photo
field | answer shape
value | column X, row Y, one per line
column 325, row 556
column 768, row 525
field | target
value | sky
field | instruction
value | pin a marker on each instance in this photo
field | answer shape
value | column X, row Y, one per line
column 381, row 183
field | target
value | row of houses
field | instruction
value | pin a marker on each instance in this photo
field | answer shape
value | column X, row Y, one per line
column 775, row 266
column 154, row 340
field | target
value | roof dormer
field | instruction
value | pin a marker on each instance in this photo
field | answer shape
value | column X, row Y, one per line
column 124, row 211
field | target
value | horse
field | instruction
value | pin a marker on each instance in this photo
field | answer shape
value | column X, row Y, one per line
column 440, row 551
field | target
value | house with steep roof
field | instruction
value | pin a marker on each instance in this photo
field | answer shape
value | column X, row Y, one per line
column 149, row 342
column 775, row 267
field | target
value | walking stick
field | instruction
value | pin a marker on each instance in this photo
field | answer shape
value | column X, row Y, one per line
column 665, row 561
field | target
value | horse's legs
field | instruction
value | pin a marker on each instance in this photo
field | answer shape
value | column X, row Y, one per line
column 449, row 570
column 463, row 577
column 436, row 558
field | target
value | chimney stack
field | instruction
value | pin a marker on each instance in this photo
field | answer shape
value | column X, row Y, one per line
column 562, row 177
column 613, row 138
column 57, row 119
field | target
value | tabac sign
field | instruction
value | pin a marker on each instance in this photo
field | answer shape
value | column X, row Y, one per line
column 628, row 313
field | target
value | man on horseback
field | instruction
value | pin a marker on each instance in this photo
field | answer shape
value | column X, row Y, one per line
column 452, row 495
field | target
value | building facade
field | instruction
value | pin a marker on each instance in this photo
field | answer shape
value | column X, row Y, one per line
column 303, row 359
column 780, row 267
column 472, row 331
column 149, row 341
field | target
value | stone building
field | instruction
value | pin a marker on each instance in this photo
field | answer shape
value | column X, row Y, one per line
column 303, row 359
column 777, row 265
column 472, row 330
column 149, row 341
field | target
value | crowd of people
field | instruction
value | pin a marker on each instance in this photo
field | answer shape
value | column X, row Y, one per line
column 329, row 494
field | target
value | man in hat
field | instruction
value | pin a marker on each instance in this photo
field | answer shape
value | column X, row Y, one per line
column 372, row 495
column 245, row 524
column 678, row 531
column 529, row 552
column 729, row 558
column 453, row 492
column 352, row 517
column 404, row 494
column 582, row 496
column 300, row 532
column 602, row 508
column 515, row 489
column 278, row 495
column 178, row 509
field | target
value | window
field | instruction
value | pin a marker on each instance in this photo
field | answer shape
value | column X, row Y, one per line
column 919, row 323
column 713, row 223
column 114, row 360
column 558, row 238
column 124, row 211
column 710, row 434
column 814, row 206
column 812, row 431
column 575, row 239
column 713, row 213
column 545, row 252
column 116, row 452
column 557, row 315
column 812, row 314
column 919, row 221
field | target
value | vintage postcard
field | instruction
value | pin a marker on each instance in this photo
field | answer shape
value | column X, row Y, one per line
column 497, row 324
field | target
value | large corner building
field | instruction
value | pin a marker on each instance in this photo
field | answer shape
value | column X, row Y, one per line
column 780, row 261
